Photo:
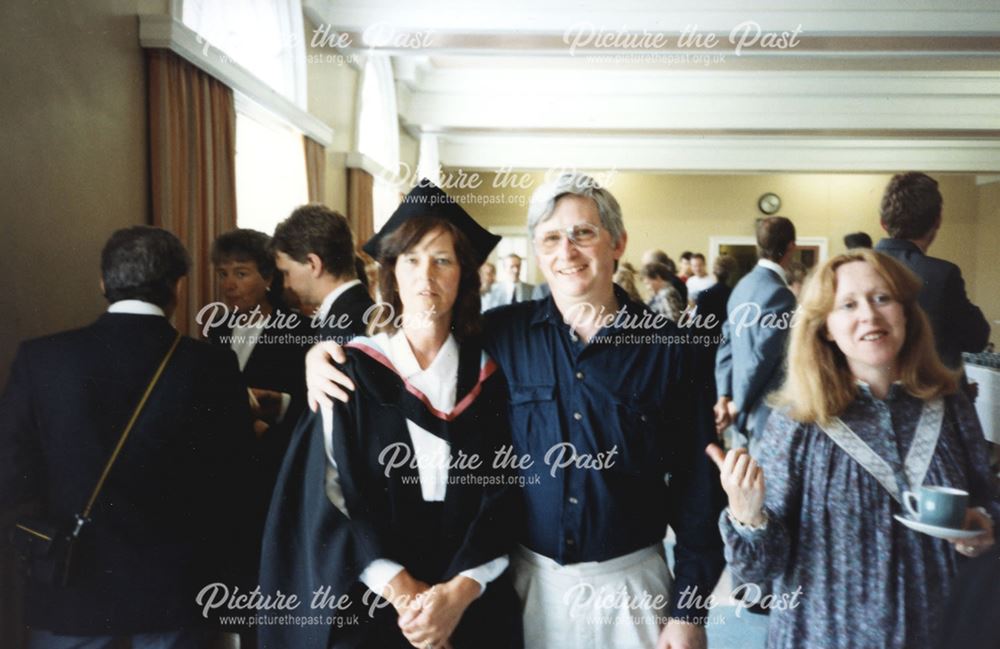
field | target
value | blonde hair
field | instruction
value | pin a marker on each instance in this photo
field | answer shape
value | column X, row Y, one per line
column 625, row 277
column 819, row 384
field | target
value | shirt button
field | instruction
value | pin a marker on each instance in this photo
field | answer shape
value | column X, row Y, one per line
column 577, row 416
column 573, row 501
column 579, row 375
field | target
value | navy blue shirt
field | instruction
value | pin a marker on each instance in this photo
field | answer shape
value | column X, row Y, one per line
column 623, row 412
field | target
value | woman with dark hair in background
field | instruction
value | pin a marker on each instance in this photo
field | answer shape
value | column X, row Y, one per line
column 271, row 359
column 857, row 240
column 269, row 355
column 867, row 412
column 665, row 299
column 375, row 501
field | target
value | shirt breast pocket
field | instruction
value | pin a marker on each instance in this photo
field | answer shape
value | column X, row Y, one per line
column 534, row 419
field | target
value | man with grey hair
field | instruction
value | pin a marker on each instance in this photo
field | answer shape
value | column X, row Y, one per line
column 608, row 433
column 167, row 517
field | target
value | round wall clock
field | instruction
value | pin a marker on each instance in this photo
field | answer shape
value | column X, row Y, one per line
column 769, row 203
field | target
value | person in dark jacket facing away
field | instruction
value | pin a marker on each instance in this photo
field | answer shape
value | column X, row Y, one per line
column 911, row 215
column 158, row 532
column 709, row 316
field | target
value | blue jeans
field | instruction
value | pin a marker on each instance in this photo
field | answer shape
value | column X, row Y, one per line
column 183, row 639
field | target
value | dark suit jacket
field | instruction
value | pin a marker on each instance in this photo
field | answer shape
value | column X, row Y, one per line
column 713, row 301
column 352, row 303
column 959, row 325
column 750, row 361
column 159, row 530
column 277, row 362
column 710, row 302
column 278, row 366
column 681, row 287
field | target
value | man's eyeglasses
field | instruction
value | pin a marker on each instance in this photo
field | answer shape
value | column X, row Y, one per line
column 581, row 234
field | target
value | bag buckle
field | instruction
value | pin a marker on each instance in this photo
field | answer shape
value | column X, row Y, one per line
column 80, row 522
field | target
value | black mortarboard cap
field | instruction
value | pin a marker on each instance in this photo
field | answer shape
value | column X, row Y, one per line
column 427, row 199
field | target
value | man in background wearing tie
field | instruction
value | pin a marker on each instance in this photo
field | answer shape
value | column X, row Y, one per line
column 750, row 361
column 513, row 289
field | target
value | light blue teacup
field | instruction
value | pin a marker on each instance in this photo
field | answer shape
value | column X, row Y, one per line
column 939, row 506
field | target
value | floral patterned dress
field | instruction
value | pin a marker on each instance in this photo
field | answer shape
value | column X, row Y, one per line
column 866, row 580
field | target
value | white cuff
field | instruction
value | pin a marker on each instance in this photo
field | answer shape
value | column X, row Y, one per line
column 379, row 573
column 487, row 572
column 742, row 527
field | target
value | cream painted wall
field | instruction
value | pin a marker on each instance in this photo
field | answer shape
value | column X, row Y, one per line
column 680, row 212
column 332, row 88
column 74, row 158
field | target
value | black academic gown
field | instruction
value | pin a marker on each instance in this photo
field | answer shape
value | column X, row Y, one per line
column 277, row 363
column 310, row 544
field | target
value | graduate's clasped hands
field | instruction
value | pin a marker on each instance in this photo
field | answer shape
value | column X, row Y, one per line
column 428, row 615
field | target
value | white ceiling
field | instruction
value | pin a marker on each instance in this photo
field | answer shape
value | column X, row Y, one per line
column 859, row 86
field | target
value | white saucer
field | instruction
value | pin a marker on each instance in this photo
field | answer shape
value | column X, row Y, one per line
column 938, row 532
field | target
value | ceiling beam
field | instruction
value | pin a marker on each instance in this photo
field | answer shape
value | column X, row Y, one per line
column 719, row 154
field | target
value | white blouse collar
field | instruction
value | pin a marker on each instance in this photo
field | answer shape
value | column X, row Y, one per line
column 443, row 368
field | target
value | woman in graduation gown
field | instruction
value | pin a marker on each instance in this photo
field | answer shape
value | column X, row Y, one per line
column 397, row 508
column 867, row 412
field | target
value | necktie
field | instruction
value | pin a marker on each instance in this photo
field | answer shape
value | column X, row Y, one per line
column 513, row 296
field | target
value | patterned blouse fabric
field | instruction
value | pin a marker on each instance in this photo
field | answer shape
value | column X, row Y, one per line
column 667, row 302
column 865, row 579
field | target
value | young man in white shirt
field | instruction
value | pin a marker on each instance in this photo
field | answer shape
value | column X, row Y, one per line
column 314, row 251
column 700, row 278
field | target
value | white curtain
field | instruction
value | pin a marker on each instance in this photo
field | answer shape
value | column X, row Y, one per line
column 378, row 133
column 378, row 121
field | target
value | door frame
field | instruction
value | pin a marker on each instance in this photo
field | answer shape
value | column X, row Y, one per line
column 714, row 243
